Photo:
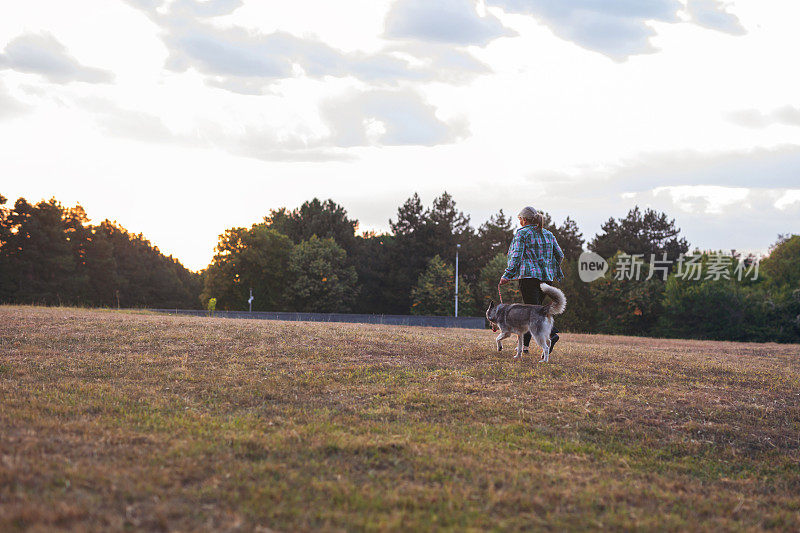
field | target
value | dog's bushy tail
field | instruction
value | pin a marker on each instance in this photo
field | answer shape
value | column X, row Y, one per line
column 559, row 303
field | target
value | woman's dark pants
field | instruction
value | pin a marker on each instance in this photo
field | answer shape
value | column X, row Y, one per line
column 532, row 294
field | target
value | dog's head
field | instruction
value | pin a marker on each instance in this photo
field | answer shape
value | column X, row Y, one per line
column 491, row 315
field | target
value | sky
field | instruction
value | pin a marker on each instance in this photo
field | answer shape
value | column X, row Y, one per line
column 181, row 118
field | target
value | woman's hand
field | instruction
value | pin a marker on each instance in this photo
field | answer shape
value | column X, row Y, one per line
column 503, row 281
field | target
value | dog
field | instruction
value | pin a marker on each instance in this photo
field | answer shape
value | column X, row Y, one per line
column 522, row 318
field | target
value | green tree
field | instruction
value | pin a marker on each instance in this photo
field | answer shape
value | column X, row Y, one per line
column 494, row 237
column 781, row 292
column 448, row 223
column 582, row 309
column 627, row 306
column 782, row 266
column 413, row 244
column 321, row 280
column 411, row 217
column 434, row 292
column 40, row 256
column 645, row 233
column 378, row 265
column 51, row 254
column 100, row 268
column 486, row 287
column 145, row 276
column 256, row 258
column 703, row 309
column 568, row 236
column 420, row 234
column 6, row 280
column 324, row 219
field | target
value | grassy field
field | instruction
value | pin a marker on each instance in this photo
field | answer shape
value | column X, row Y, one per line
column 122, row 421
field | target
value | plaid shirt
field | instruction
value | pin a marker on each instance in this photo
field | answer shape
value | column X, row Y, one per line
column 534, row 254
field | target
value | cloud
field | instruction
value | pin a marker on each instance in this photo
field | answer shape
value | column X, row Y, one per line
column 44, row 54
column 10, row 107
column 208, row 8
column 387, row 118
column 233, row 53
column 753, row 118
column 712, row 14
column 254, row 142
column 271, row 144
column 791, row 198
column 729, row 199
column 194, row 8
column 127, row 123
column 787, row 115
column 712, row 199
column 748, row 219
column 371, row 118
column 249, row 62
column 617, row 28
column 444, row 21
column 450, row 64
column 768, row 168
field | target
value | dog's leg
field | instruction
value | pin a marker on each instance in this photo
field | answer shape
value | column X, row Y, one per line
column 519, row 345
column 544, row 344
column 503, row 335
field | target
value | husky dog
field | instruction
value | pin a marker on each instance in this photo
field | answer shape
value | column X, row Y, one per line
column 522, row 318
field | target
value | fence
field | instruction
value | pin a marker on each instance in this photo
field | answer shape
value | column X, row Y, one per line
column 393, row 320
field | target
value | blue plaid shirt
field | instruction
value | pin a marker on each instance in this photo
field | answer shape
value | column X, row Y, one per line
column 534, row 254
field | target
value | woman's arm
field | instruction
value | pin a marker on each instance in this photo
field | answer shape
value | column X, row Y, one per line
column 557, row 251
column 514, row 258
column 558, row 254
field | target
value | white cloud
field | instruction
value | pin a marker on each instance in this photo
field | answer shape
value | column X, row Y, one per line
column 789, row 198
column 205, row 8
column 618, row 28
column 753, row 118
column 9, row 106
column 404, row 118
column 704, row 198
column 354, row 118
column 444, row 21
column 249, row 61
column 712, row 14
column 44, row 54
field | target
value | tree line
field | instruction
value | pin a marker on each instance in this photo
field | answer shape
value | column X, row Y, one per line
column 312, row 258
column 51, row 255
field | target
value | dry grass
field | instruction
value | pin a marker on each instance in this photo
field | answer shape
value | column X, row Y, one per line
column 133, row 421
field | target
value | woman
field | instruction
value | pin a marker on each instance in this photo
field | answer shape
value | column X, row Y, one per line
column 533, row 257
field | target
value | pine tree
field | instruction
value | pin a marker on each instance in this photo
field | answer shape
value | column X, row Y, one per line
column 487, row 283
column 410, row 217
column 42, row 260
column 6, row 279
column 494, row 237
column 434, row 292
column 324, row 219
column 645, row 233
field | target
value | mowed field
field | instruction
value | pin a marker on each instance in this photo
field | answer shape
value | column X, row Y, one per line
column 118, row 421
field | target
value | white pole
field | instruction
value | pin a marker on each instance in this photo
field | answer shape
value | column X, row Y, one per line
column 457, row 247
